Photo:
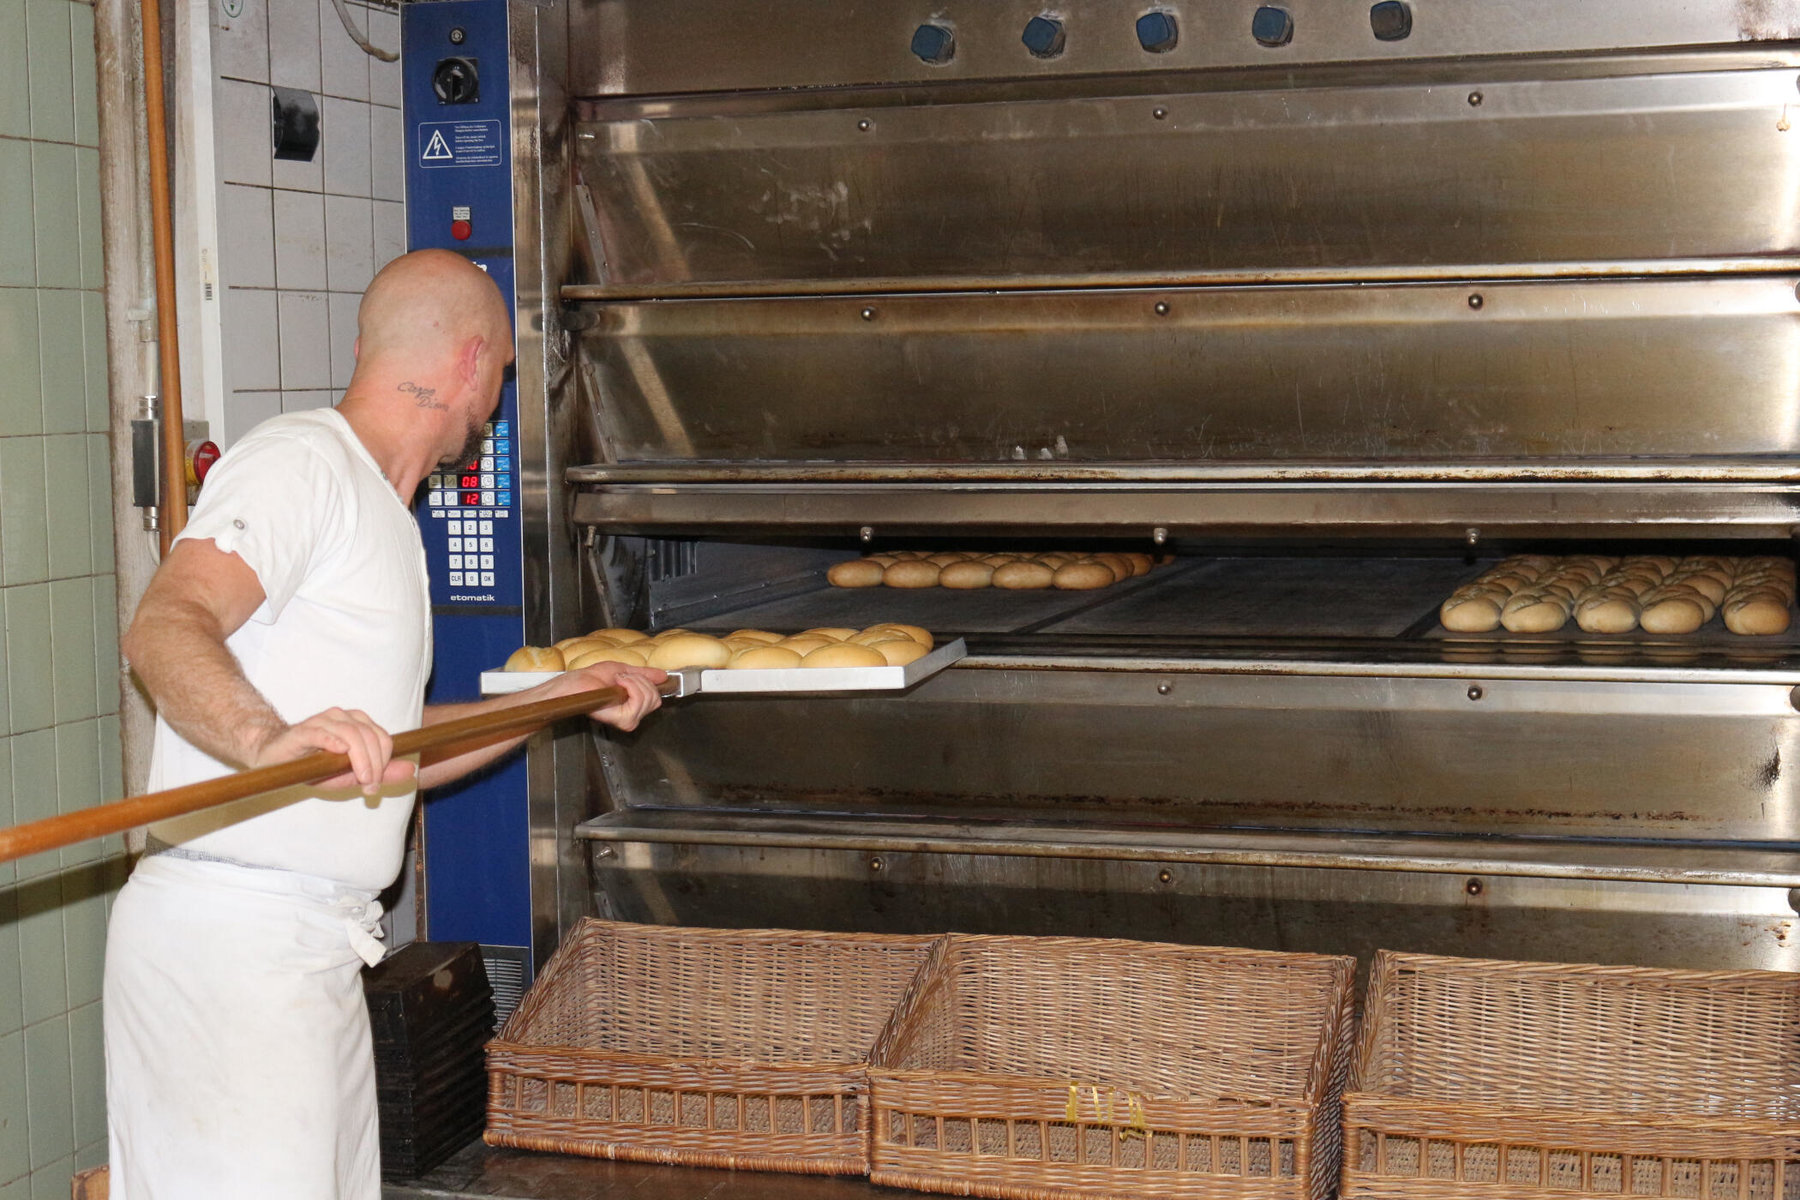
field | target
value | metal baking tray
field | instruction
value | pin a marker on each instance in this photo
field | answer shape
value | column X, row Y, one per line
column 785, row 681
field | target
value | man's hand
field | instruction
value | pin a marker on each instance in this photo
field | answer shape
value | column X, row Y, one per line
column 640, row 684
column 341, row 731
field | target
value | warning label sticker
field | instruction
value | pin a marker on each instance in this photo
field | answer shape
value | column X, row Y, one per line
column 459, row 144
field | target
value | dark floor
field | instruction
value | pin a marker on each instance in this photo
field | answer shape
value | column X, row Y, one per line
column 481, row 1171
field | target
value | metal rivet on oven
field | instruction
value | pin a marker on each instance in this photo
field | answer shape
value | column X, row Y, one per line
column 1162, row 308
column 868, row 314
column 1475, row 99
column 1164, row 688
column 1159, row 113
column 875, row 864
column 1165, row 876
column 458, row 36
column 1159, row 535
column 866, row 533
column 1475, row 692
column 1475, row 300
column 1474, row 887
column 603, row 852
column 1472, row 535
column 586, row 135
column 865, row 124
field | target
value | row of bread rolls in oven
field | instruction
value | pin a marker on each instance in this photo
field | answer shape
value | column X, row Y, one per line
column 1662, row 594
column 886, row 645
column 968, row 569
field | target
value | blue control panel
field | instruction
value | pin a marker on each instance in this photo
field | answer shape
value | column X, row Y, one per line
column 459, row 198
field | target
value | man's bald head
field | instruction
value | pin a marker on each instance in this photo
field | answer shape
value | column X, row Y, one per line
column 429, row 303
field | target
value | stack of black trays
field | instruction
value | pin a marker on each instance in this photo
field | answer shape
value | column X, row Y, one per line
column 432, row 1012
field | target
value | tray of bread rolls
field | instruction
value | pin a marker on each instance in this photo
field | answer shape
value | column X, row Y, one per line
column 1649, row 594
column 882, row 657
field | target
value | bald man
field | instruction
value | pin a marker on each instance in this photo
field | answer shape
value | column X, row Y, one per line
column 292, row 615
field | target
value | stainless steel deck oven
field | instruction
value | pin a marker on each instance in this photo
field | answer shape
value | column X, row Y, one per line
column 1335, row 303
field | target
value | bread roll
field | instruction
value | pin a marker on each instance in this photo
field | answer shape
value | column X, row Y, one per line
column 946, row 558
column 756, row 635
column 899, row 651
column 1607, row 612
column 911, row 574
column 1140, row 563
column 591, row 641
column 964, row 576
column 621, row 637
column 1000, row 560
column 534, row 658
column 1760, row 614
column 915, row 632
column 618, row 654
column 844, row 654
column 666, row 634
column 1671, row 614
column 836, row 633
column 764, row 658
column 1021, row 575
column 1473, row 614
column 1117, row 563
column 1534, row 612
column 805, row 645
column 856, row 573
column 1084, row 576
column 690, row 650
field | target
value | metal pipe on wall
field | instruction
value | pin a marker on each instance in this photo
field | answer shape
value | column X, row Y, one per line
column 174, row 466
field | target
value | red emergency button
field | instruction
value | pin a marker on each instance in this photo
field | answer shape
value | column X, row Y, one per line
column 200, row 459
column 460, row 230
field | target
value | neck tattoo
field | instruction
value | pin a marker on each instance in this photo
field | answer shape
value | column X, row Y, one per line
column 424, row 397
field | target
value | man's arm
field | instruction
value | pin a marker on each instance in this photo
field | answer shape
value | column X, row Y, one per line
column 199, row 597
column 641, row 697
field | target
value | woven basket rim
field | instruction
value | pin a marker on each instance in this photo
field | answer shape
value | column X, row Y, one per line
column 1397, row 959
column 958, row 941
column 1609, row 1120
column 1036, row 1083
column 630, row 1058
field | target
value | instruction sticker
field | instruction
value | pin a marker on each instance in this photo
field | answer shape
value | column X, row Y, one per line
column 459, row 144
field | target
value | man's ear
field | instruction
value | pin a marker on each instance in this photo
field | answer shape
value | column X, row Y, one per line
column 468, row 362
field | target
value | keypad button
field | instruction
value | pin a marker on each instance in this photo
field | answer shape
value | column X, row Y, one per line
column 487, row 562
column 487, row 579
column 504, row 481
column 487, row 527
column 455, row 528
column 506, row 499
column 487, row 498
column 456, row 579
column 487, row 545
column 487, row 462
column 436, row 498
column 487, row 446
column 502, row 428
column 502, row 447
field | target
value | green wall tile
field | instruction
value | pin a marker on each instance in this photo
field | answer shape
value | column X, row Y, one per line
column 91, row 1155
column 24, row 516
column 7, row 872
column 5, row 715
column 77, row 765
column 88, row 1060
column 34, row 791
column 93, row 336
column 108, row 665
column 15, row 96
column 21, row 369
column 112, row 762
column 15, row 1149
column 18, row 1189
column 12, row 977
column 84, row 935
column 62, row 354
column 70, row 527
column 52, row 1182
column 50, row 1103
column 28, row 661
column 41, row 953
column 55, row 208
column 72, row 665
column 87, row 193
column 51, row 71
column 100, row 516
column 86, row 85
column 18, row 247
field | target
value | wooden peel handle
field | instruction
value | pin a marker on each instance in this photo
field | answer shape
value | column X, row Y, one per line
column 34, row 837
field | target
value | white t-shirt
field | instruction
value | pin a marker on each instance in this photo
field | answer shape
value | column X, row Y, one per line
column 346, row 622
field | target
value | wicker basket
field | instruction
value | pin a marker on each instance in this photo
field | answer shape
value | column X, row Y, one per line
column 1528, row 1080
column 1038, row 1068
column 707, row 1047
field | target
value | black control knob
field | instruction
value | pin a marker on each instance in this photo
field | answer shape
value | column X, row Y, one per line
column 1272, row 26
column 1156, row 32
column 1044, row 37
column 934, row 44
column 456, row 81
column 1391, row 20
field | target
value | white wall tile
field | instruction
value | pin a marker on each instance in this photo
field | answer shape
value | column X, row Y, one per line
column 384, row 77
column 305, row 341
column 390, row 232
column 242, row 132
column 246, row 237
column 387, row 154
column 349, row 243
column 244, row 411
column 299, row 241
column 252, row 348
column 346, row 125
column 241, row 43
column 343, row 337
column 344, row 66
column 298, row 176
column 294, row 43
column 301, row 401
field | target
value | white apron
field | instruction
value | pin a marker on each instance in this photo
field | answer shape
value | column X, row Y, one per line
column 238, row 1057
